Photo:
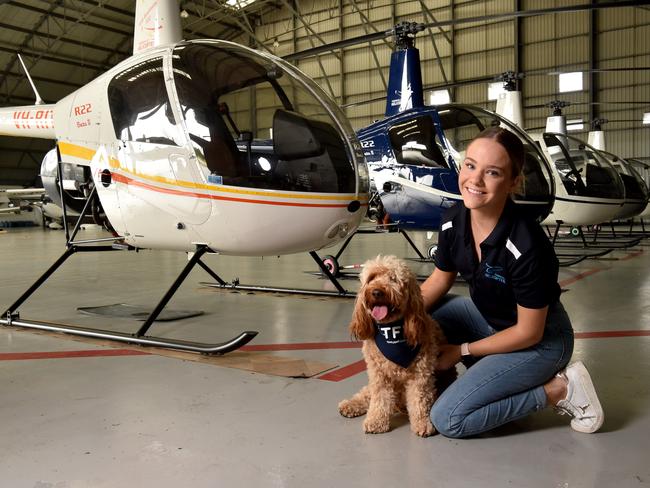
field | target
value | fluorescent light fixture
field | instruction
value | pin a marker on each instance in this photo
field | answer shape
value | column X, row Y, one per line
column 646, row 118
column 576, row 124
column 239, row 3
column 495, row 89
column 570, row 82
column 439, row 97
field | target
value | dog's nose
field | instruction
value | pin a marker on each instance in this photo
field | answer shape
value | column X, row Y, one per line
column 377, row 293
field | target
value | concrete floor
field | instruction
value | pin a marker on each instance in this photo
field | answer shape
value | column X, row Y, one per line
column 147, row 420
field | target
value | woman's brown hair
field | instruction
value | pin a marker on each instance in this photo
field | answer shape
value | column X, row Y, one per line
column 510, row 142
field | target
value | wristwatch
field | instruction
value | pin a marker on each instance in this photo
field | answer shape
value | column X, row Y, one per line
column 464, row 349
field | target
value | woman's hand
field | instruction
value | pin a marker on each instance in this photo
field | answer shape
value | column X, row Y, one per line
column 448, row 357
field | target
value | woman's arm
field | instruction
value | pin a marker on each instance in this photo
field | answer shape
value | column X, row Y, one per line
column 527, row 332
column 436, row 286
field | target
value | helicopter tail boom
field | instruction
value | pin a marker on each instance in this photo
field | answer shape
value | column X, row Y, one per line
column 28, row 121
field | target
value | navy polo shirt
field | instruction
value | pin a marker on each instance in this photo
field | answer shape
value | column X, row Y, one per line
column 518, row 263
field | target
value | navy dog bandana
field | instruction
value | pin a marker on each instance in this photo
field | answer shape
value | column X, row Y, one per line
column 392, row 343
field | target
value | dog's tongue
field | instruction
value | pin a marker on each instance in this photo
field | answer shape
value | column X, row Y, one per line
column 379, row 312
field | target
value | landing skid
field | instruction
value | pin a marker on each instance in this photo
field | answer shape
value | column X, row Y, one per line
column 11, row 317
column 332, row 261
column 594, row 242
column 325, row 271
column 568, row 258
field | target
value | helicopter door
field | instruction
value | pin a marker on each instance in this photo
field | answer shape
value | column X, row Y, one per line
column 151, row 145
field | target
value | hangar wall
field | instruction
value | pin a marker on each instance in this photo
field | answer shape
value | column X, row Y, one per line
column 607, row 38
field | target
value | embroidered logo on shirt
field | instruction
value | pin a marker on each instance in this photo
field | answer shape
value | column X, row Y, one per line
column 494, row 273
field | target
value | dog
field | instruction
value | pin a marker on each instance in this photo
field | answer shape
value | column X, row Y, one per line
column 389, row 317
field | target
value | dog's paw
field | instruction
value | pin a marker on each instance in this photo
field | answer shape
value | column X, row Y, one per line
column 350, row 408
column 423, row 428
column 376, row 426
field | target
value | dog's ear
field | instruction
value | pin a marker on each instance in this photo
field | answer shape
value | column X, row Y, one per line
column 414, row 327
column 361, row 326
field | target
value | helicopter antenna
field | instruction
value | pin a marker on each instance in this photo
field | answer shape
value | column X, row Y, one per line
column 39, row 100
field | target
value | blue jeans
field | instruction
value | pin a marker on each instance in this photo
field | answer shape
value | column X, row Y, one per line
column 501, row 387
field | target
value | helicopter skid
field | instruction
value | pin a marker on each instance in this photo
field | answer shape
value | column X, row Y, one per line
column 219, row 348
column 324, row 271
column 11, row 316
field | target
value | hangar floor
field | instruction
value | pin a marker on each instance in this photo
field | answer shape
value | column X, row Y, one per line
column 79, row 414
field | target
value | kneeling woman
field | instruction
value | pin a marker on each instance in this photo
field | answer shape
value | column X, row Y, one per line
column 513, row 332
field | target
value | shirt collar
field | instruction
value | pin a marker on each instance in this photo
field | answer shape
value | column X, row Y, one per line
column 504, row 225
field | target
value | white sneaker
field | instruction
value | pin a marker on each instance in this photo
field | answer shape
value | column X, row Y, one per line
column 581, row 401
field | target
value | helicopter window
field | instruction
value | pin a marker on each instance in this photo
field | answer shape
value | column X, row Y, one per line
column 140, row 107
column 243, row 111
column 584, row 171
column 413, row 142
column 633, row 188
column 570, row 167
column 535, row 186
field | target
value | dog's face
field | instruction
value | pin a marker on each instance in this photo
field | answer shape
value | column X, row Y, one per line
column 386, row 283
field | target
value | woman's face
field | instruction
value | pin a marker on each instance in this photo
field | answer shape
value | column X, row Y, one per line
column 485, row 179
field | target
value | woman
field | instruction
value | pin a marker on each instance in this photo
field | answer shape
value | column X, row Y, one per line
column 513, row 332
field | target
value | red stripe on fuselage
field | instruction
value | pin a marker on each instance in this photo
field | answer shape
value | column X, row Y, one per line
column 130, row 181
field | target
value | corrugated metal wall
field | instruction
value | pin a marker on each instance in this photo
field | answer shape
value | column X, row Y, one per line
column 612, row 38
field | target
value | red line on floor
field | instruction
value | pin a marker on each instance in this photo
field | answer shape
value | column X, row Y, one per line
column 612, row 333
column 632, row 255
column 350, row 370
column 16, row 356
column 344, row 372
column 304, row 346
column 579, row 277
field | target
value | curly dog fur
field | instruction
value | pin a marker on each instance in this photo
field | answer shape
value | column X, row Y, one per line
column 387, row 281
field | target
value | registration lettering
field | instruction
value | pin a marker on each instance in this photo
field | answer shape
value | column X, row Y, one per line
column 33, row 119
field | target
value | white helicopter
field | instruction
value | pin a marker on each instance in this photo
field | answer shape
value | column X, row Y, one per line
column 164, row 146
column 15, row 200
column 588, row 190
column 636, row 190
column 643, row 170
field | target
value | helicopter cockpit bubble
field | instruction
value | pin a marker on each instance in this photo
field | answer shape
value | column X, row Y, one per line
column 582, row 169
column 461, row 123
column 271, row 105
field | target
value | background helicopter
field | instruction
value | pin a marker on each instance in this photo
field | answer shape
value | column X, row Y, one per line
column 160, row 154
column 415, row 152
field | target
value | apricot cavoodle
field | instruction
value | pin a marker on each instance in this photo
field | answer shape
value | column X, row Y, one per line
column 400, row 347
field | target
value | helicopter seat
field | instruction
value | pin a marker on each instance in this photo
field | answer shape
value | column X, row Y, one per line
column 310, row 153
column 600, row 181
column 221, row 153
column 417, row 157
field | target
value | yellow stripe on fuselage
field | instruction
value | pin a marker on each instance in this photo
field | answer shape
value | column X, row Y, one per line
column 86, row 153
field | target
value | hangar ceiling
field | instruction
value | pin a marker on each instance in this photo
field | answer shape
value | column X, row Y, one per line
column 66, row 43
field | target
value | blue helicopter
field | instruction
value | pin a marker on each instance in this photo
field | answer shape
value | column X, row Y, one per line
column 414, row 153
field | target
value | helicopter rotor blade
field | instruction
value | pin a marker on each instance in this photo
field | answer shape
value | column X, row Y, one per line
column 374, row 36
column 435, row 86
column 546, row 105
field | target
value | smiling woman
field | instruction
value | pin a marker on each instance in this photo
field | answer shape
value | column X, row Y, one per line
column 513, row 332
